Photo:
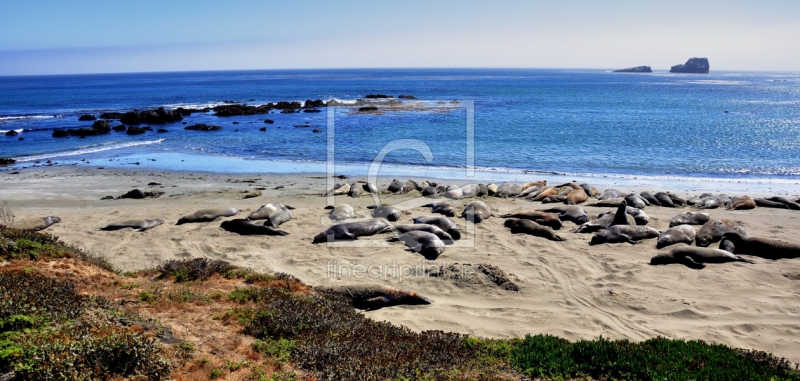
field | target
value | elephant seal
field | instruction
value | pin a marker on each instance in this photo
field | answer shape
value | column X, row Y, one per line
column 528, row 191
column 664, row 200
column 427, row 244
column 351, row 231
column 712, row 231
column 554, row 199
column 139, row 225
column 374, row 297
column 624, row 233
column 431, row 192
column 764, row 203
column 690, row 218
column 743, row 203
column 337, row 190
column 444, row 208
column 469, row 190
column 572, row 213
column 251, row 194
column 246, row 227
column 621, row 216
column 677, row 234
column 395, row 186
column 537, row 216
column 483, row 190
column 207, row 215
column 341, row 212
column 275, row 213
column 602, row 222
column 36, row 224
column 492, row 188
column 636, row 201
column 454, row 192
column 529, row 227
column 386, row 211
column 611, row 193
column 435, row 230
column 476, row 211
column 370, row 188
column 511, row 191
column 551, row 191
column 650, row 198
column 728, row 245
column 409, row 185
column 609, row 202
column 676, row 200
column 639, row 217
column 355, row 190
column 783, row 200
column 762, row 247
column 590, row 190
column 695, row 257
column 441, row 222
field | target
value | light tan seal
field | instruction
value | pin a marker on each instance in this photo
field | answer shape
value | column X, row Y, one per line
column 207, row 215
column 275, row 213
column 36, row 224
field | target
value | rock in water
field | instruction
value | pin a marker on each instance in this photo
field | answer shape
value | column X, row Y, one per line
column 693, row 65
column 635, row 69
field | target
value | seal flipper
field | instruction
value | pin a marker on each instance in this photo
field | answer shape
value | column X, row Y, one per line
column 740, row 259
column 690, row 263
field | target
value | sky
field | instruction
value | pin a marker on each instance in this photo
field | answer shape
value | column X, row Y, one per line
column 66, row 36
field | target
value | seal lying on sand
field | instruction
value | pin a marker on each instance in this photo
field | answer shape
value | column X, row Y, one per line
column 728, row 245
column 638, row 215
column 576, row 196
column 207, row 215
column 140, row 225
column 603, row 222
column 624, row 233
column 762, row 247
column 351, row 231
column 690, row 218
column 537, row 216
column 743, row 203
column 341, row 212
column 712, row 231
column 441, row 222
column 764, row 203
column 572, row 213
column 677, row 234
column 275, row 214
column 373, row 297
column 386, row 211
column 37, row 223
column 476, row 211
column 695, row 257
column 247, row 227
column 337, row 189
column 529, row 227
column 444, row 208
column 427, row 244
column 435, row 230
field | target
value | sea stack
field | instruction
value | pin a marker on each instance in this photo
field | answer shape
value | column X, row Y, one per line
column 635, row 69
column 693, row 65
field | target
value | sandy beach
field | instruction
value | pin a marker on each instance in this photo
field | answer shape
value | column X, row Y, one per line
column 569, row 289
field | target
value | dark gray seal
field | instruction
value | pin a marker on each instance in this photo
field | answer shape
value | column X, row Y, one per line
column 139, row 225
column 435, row 230
column 355, row 190
column 386, row 211
column 677, row 234
column 650, row 198
column 636, row 201
column 621, row 216
column 638, row 215
column 624, row 233
column 36, row 224
column 427, row 244
column 441, row 222
column 476, row 211
column 571, row 213
column 207, row 215
column 712, row 231
column 351, row 231
column 728, row 245
column 764, row 203
column 695, row 257
column 443, row 208
column 609, row 202
column 554, row 199
column 664, row 200
column 676, row 200
column 602, row 222
column 783, row 200
column 762, row 247
column 374, row 297
column 430, row 192
column 341, row 212
column 541, row 218
column 395, row 186
column 275, row 213
column 518, row 225
column 246, row 227
column 690, row 218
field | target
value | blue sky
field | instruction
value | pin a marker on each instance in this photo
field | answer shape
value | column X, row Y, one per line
column 56, row 37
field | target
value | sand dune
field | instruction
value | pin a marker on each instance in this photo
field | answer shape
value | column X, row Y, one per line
column 566, row 288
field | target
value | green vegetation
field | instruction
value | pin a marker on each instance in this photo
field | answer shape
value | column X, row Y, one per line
column 655, row 359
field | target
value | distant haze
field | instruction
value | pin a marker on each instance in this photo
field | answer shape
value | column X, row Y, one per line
column 45, row 37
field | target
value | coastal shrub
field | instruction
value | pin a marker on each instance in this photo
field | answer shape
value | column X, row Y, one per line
column 654, row 359
column 201, row 269
column 33, row 294
column 325, row 335
column 22, row 244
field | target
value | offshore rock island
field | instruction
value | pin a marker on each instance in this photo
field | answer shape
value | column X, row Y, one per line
column 635, row 69
column 693, row 65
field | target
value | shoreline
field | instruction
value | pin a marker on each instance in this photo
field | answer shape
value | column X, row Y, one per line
column 569, row 288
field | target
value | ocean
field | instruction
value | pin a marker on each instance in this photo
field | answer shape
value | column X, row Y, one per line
column 723, row 126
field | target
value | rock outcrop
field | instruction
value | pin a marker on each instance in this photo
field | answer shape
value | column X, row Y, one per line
column 202, row 127
column 285, row 107
column 693, row 65
column 158, row 116
column 87, row 117
column 635, row 69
